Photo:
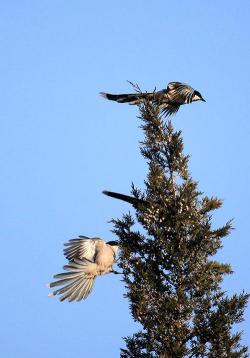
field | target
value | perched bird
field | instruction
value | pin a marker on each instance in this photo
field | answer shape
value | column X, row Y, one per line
column 169, row 99
column 88, row 258
column 137, row 203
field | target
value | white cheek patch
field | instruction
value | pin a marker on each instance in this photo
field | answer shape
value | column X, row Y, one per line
column 196, row 98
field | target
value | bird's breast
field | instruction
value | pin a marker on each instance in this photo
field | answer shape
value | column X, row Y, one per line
column 105, row 259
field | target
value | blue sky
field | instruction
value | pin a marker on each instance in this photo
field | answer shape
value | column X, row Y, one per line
column 61, row 145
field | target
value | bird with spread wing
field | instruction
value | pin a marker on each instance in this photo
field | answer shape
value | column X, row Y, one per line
column 88, row 258
column 169, row 100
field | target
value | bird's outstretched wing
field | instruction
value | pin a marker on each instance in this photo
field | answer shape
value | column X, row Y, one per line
column 81, row 248
column 180, row 93
column 169, row 109
column 76, row 283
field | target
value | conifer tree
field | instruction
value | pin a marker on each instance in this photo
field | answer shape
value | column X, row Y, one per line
column 173, row 283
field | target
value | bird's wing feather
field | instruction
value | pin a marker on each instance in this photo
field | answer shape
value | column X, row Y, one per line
column 169, row 109
column 82, row 247
column 173, row 85
column 180, row 92
column 76, row 284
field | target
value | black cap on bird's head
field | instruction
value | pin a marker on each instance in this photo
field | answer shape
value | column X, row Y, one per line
column 113, row 243
column 197, row 97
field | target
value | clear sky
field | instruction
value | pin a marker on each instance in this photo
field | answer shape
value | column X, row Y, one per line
column 62, row 144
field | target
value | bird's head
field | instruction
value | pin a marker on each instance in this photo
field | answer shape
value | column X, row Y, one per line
column 197, row 97
column 114, row 244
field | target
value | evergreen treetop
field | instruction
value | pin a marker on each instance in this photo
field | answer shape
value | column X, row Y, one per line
column 173, row 283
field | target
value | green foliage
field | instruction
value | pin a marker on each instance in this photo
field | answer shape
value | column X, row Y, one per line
column 173, row 285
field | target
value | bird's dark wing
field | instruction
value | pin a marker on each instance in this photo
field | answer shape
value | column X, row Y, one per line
column 180, row 92
column 174, row 85
column 169, row 109
column 81, row 248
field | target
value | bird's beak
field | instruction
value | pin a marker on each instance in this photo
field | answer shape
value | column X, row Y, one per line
column 203, row 100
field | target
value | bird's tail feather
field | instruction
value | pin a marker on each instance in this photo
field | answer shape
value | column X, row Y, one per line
column 76, row 284
column 130, row 98
column 127, row 198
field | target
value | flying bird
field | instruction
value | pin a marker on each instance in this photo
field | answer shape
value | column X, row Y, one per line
column 169, row 100
column 137, row 203
column 88, row 258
